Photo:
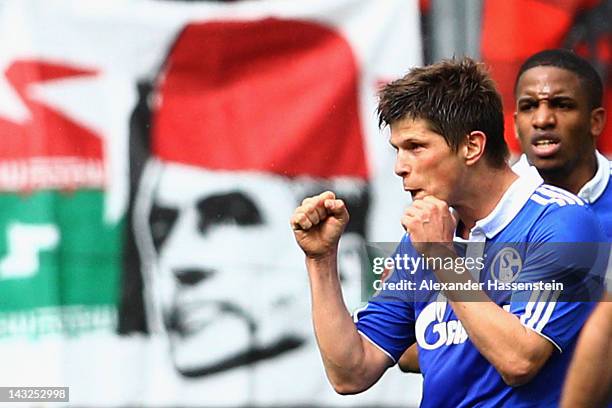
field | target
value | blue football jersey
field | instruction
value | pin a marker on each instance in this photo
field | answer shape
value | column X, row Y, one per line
column 597, row 193
column 537, row 233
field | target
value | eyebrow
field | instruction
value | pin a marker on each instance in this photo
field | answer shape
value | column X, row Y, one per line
column 411, row 138
column 223, row 208
column 553, row 97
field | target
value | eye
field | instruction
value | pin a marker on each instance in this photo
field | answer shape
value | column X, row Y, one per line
column 235, row 208
column 564, row 104
column 161, row 221
column 415, row 147
column 526, row 106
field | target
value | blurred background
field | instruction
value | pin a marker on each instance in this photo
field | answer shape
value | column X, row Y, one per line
column 152, row 152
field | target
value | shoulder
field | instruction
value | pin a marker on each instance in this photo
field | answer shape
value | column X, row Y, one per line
column 563, row 217
column 552, row 197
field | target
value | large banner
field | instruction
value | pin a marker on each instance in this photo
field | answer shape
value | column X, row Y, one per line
column 151, row 154
column 514, row 30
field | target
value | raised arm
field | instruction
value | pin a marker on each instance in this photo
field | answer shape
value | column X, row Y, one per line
column 352, row 363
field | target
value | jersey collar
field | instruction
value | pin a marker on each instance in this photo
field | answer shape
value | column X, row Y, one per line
column 595, row 187
column 590, row 192
column 523, row 168
column 511, row 203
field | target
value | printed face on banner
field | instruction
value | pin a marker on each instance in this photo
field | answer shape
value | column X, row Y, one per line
column 222, row 272
column 227, row 278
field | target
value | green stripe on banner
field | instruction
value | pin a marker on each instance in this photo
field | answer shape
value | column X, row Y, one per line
column 60, row 263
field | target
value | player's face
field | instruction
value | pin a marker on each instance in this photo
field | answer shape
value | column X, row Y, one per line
column 227, row 273
column 424, row 161
column 553, row 119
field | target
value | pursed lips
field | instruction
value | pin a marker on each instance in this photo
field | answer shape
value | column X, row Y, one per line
column 415, row 192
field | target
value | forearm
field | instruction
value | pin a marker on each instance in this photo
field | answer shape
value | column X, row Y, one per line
column 589, row 378
column 515, row 351
column 347, row 360
column 352, row 364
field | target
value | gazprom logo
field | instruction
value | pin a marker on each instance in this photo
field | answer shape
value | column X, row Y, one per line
column 442, row 333
column 506, row 265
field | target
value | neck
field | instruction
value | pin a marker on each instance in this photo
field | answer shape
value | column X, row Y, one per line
column 572, row 178
column 484, row 191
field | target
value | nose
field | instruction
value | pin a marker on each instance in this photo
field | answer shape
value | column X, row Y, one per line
column 543, row 117
column 402, row 167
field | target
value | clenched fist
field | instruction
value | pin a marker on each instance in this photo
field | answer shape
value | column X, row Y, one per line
column 318, row 223
column 429, row 221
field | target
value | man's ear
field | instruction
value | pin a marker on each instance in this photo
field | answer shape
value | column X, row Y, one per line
column 598, row 121
column 474, row 147
column 516, row 135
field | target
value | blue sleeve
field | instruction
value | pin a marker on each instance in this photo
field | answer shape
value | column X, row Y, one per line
column 388, row 318
column 567, row 247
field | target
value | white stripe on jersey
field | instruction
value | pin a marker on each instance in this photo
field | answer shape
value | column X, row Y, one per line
column 533, row 323
column 549, row 310
column 539, row 199
column 566, row 194
column 547, row 195
column 536, row 318
column 529, row 307
column 545, row 201
column 542, row 190
column 539, row 309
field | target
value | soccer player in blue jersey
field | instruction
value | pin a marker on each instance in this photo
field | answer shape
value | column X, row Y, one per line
column 559, row 116
column 447, row 128
column 558, row 119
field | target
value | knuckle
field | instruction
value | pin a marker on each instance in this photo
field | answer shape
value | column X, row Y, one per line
column 307, row 200
column 314, row 211
column 308, row 208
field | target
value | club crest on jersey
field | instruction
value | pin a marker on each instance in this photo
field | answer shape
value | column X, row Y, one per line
column 506, row 265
